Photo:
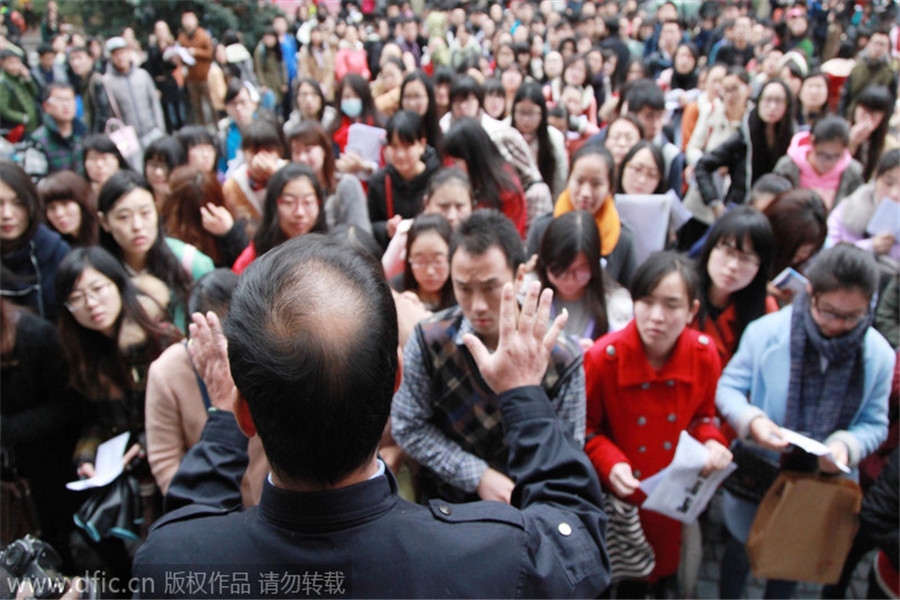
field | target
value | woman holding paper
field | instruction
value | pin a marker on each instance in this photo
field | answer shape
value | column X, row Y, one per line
column 854, row 220
column 645, row 385
column 815, row 367
column 111, row 332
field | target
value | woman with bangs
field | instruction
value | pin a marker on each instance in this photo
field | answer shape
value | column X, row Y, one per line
column 293, row 207
column 396, row 191
column 200, row 148
column 568, row 262
column 426, row 272
column 131, row 230
column 101, row 160
column 160, row 159
column 548, row 144
column 310, row 105
column 69, row 207
column 110, row 332
column 345, row 200
column 591, row 182
column 733, row 269
column 417, row 95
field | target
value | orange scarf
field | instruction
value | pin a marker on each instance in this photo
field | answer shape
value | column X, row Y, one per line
column 607, row 219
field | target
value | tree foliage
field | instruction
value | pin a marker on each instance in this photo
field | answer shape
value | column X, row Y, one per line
column 107, row 18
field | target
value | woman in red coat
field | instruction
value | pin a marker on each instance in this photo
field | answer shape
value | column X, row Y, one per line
column 645, row 384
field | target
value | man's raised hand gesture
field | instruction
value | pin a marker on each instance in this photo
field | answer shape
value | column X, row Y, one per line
column 525, row 343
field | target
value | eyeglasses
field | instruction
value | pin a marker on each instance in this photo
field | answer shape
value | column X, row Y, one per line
column 435, row 262
column 581, row 274
column 645, row 170
column 527, row 114
column 745, row 259
column 292, row 202
column 824, row 156
column 829, row 314
column 778, row 100
column 78, row 299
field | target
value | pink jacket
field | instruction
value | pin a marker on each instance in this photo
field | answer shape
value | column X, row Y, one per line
column 350, row 60
column 825, row 184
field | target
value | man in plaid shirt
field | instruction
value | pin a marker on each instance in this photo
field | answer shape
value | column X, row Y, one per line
column 444, row 415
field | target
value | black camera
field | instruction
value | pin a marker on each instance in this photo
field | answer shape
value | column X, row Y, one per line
column 30, row 559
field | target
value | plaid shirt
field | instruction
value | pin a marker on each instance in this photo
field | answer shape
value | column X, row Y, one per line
column 63, row 153
column 441, row 434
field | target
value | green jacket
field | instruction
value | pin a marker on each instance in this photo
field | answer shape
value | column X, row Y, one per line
column 19, row 102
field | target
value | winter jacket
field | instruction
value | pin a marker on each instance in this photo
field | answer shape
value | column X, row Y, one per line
column 32, row 269
column 134, row 94
column 18, row 102
column 843, row 178
column 406, row 196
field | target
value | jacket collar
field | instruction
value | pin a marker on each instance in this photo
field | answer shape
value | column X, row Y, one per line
column 634, row 369
column 332, row 510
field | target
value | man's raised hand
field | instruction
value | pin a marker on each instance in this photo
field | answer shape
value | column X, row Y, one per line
column 526, row 340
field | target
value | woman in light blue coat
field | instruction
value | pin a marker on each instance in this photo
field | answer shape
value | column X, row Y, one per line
column 816, row 367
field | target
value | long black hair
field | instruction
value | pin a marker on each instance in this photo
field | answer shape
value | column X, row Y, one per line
column 879, row 98
column 763, row 157
column 533, row 91
column 467, row 140
column 422, row 224
column 432, row 124
column 98, row 365
column 567, row 236
column 739, row 225
column 269, row 233
column 161, row 262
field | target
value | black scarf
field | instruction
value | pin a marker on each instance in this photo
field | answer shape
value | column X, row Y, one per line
column 818, row 403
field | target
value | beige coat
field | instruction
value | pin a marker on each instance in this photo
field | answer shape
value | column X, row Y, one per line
column 175, row 416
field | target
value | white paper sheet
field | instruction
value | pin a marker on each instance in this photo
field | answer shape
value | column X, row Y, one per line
column 790, row 279
column 108, row 464
column 886, row 219
column 365, row 141
column 649, row 217
column 679, row 491
column 812, row 446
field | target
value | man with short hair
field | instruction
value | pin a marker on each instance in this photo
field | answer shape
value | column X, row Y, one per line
column 132, row 97
column 18, row 94
column 443, row 415
column 48, row 70
column 312, row 344
column 200, row 46
column 669, row 38
column 90, row 95
column 60, row 135
column 647, row 102
column 738, row 51
column 872, row 68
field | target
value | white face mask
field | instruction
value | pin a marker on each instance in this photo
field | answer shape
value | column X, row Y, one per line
column 352, row 107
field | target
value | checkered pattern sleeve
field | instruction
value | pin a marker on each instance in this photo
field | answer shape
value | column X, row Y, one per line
column 412, row 426
column 571, row 405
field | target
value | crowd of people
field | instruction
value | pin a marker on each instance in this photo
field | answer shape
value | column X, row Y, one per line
column 464, row 149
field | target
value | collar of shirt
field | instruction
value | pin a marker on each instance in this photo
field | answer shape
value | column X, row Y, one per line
column 378, row 472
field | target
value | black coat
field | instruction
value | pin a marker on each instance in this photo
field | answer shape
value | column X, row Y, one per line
column 549, row 544
column 30, row 280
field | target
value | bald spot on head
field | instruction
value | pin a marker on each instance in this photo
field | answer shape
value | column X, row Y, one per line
column 321, row 304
